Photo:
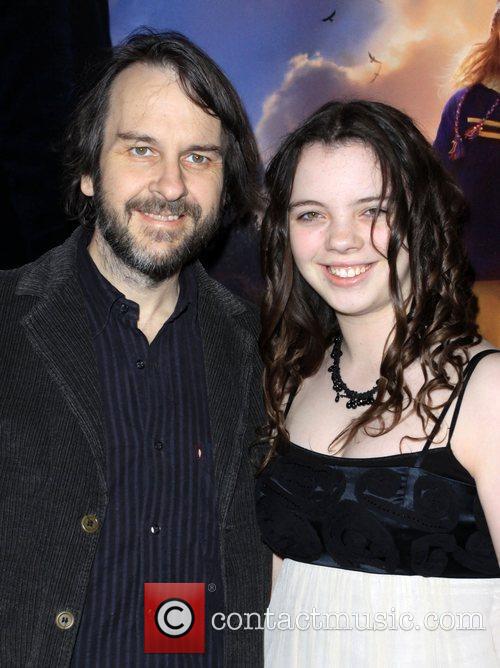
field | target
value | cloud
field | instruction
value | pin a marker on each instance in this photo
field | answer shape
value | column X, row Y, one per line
column 308, row 83
column 419, row 43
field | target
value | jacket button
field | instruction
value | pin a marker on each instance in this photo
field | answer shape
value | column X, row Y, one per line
column 65, row 620
column 90, row 523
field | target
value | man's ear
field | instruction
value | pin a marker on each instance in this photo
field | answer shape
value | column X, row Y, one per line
column 87, row 186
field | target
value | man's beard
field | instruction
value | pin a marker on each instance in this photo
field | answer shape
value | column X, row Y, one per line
column 157, row 266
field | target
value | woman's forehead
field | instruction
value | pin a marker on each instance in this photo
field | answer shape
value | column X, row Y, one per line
column 350, row 167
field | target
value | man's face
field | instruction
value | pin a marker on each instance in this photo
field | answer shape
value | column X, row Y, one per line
column 161, row 173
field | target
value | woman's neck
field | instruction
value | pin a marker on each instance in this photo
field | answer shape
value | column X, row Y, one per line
column 364, row 340
column 494, row 84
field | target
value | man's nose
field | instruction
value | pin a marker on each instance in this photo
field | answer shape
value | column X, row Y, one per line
column 168, row 181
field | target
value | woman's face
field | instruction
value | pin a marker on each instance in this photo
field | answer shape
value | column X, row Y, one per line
column 335, row 194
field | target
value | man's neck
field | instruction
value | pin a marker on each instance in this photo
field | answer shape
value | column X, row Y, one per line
column 156, row 301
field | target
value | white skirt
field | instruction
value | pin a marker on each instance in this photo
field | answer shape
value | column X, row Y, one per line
column 320, row 616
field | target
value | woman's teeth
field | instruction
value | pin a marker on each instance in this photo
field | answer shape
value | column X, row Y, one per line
column 349, row 272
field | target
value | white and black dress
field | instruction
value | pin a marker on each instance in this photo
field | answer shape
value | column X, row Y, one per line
column 387, row 561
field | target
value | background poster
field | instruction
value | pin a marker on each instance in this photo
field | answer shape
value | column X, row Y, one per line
column 284, row 59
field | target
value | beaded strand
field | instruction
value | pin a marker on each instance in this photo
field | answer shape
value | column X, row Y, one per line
column 457, row 150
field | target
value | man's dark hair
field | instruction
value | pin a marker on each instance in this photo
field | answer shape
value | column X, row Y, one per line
column 204, row 83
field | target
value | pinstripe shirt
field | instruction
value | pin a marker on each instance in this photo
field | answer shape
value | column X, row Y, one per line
column 161, row 523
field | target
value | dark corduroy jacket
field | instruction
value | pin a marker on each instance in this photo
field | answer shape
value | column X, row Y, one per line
column 52, row 457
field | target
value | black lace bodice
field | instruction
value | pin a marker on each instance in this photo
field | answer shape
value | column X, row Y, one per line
column 408, row 514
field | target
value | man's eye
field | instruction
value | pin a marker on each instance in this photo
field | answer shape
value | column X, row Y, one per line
column 197, row 159
column 371, row 213
column 141, row 151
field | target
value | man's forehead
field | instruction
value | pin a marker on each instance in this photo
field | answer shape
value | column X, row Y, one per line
column 141, row 75
column 144, row 93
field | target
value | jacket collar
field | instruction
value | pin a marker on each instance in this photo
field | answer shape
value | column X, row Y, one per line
column 58, row 330
column 229, row 333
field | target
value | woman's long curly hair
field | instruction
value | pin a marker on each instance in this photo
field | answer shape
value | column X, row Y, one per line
column 426, row 213
column 482, row 64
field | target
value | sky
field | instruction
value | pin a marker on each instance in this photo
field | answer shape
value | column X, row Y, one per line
column 286, row 62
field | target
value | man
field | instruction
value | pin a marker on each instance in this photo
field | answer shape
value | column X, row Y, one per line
column 131, row 383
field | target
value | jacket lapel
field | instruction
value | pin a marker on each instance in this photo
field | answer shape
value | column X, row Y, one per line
column 57, row 329
column 230, row 353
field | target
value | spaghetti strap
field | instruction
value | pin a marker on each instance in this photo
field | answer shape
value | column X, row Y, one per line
column 441, row 417
column 457, row 390
column 468, row 373
column 291, row 397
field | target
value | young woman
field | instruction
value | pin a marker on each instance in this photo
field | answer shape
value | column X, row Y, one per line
column 468, row 143
column 380, row 487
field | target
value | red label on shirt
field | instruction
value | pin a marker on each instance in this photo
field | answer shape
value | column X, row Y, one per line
column 174, row 617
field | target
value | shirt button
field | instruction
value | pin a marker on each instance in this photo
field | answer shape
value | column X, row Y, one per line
column 140, row 364
column 65, row 620
column 155, row 529
column 123, row 308
column 159, row 445
column 90, row 523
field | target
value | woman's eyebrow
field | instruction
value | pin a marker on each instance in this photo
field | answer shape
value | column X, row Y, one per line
column 370, row 198
column 304, row 202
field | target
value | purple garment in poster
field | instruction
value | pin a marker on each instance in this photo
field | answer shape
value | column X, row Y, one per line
column 478, row 173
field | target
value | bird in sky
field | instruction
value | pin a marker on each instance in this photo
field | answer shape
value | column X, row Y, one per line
column 330, row 17
column 378, row 66
column 373, row 59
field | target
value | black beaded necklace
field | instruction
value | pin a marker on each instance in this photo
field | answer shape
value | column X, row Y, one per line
column 354, row 399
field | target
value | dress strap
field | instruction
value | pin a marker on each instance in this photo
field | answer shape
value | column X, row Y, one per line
column 468, row 373
column 290, row 399
column 457, row 390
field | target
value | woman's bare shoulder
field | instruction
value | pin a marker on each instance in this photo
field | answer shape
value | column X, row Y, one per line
column 483, row 389
column 488, row 369
column 478, row 426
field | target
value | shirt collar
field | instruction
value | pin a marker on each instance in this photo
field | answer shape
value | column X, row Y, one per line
column 101, row 296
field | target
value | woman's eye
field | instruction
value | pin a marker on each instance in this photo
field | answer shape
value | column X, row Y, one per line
column 197, row 159
column 141, row 151
column 308, row 216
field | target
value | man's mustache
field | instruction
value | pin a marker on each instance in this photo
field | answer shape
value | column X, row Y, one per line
column 160, row 206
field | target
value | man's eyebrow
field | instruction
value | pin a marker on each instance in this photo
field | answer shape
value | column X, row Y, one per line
column 304, row 202
column 205, row 148
column 133, row 136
